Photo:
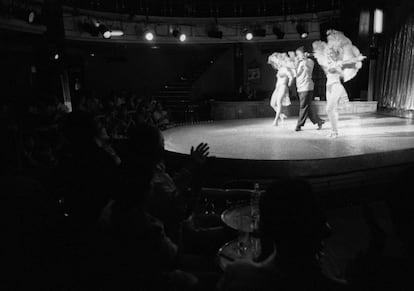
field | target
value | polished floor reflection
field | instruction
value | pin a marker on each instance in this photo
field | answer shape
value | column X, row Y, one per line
column 258, row 139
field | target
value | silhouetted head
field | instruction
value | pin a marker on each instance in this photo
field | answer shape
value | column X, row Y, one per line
column 291, row 218
column 145, row 142
column 80, row 128
column 144, row 151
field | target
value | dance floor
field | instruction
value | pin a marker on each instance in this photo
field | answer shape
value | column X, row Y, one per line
column 365, row 141
column 258, row 139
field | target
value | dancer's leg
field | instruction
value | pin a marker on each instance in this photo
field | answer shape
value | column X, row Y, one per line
column 278, row 110
column 313, row 116
column 303, row 108
column 332, row 111
column 274, row 106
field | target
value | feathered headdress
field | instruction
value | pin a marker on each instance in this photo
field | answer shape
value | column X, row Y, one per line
column 338, row 49
column 280, row 60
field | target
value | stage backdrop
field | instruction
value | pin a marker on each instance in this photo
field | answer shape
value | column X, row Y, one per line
column 395, row 78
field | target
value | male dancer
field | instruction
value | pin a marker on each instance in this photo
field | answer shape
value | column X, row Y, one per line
column 305, row 86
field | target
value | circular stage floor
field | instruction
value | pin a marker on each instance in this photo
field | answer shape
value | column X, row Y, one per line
column 258, row 139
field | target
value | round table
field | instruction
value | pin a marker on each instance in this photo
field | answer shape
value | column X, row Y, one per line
column 246, row 248
column 244, row 218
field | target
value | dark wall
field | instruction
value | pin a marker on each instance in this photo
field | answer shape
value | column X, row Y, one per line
column 15, row 72
column 218, row 79
column 25, row 68
column 142, row 69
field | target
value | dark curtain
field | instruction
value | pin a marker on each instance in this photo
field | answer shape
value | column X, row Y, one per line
column 395, row 70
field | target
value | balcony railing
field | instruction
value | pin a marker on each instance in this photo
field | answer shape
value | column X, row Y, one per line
column 203, row 8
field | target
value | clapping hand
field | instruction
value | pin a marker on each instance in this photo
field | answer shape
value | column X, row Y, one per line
column 200, row 153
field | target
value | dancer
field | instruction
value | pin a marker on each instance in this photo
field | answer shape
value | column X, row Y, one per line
column 305, row 87
column 339, row 60
column 285, row 75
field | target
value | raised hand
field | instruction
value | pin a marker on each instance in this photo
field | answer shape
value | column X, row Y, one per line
column 200, row 153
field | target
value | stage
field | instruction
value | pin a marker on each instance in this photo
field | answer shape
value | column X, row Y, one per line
column 222, row 110
column 254, row 148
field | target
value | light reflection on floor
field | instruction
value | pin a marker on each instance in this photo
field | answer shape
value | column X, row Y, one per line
column 258, row 139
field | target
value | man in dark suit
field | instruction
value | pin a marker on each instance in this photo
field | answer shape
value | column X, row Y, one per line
column 305, row 86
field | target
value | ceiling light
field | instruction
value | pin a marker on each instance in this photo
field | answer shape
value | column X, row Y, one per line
column 149, row 35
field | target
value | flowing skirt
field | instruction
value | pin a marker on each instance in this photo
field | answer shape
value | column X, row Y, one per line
column 280, row 96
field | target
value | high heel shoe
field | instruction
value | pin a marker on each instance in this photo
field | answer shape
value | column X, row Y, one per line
column 333, row 134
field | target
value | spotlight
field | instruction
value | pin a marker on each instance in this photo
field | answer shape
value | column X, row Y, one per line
column 31, row 16
column 177, row 34
column 25, row 13
column 183, row 37
column 106, row 33
column 247, row 34
column 56, row 56
column 278, row 32
column 303, row 32
column 117, row 33
column 149, row 36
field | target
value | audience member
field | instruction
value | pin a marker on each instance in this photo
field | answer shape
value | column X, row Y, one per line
column 30, row 219
column 87, row 168
column 372, row 268
column 170, row 198
column 137, row 250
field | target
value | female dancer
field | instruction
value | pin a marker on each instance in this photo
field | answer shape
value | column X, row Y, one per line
column 339, row 60
column 285, row 75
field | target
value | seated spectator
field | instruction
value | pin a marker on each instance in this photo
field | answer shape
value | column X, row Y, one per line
column 372, row 269
column 38, row 157
column 125, row 121
column 143, row 115
column 293, row 227
column 102, row 140
column 87, row 168
column 137, row 250
column 112, row 122
column 133, row 102
column 30, row 221
column 160, row 116
column 169, row 199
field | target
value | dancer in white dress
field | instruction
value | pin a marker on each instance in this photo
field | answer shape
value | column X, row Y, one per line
column 339, row 60
column 284, row 65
